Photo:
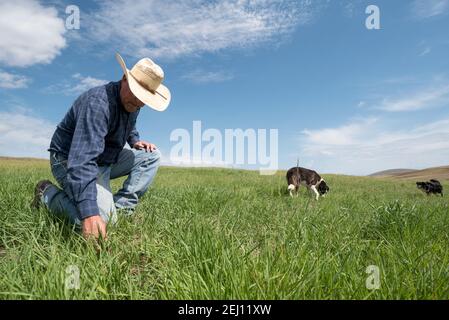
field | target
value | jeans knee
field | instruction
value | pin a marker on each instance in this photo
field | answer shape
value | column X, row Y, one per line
column 106, row 205
column 153, row 157
column 108, row 212
column 156, row 154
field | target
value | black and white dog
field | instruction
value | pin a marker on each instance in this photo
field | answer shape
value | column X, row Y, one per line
column 432, row 186
column 311, row 179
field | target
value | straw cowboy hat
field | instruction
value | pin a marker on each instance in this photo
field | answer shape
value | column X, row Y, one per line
column 145, row 83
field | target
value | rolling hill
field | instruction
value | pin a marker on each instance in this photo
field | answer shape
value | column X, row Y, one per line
column 391, row 172
column 440, row 173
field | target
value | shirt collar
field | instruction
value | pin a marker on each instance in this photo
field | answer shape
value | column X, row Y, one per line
column 117, row 87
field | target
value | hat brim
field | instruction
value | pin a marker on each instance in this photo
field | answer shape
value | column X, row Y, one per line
column 159, row 100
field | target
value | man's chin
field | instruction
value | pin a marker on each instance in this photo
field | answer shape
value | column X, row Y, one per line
column 131, row 108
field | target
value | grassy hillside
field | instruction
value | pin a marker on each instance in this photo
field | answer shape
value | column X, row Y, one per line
column 216, row 233
column 440, row 173
column 390, row 172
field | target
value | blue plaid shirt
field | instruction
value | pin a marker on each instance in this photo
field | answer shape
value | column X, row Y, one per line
column 92, row 133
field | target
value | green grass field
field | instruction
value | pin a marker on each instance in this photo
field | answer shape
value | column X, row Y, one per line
column 228, row 234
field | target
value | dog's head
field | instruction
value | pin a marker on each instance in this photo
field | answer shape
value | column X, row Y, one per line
column 422, row 185
column 323, row 188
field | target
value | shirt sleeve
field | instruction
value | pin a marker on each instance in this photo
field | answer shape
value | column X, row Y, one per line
column 133, row 136
column 87, row 144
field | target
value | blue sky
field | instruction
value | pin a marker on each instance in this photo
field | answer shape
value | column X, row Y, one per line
column 344, row 99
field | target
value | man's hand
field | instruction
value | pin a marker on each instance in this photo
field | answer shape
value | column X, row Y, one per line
column 93, row 227
column 144, row 145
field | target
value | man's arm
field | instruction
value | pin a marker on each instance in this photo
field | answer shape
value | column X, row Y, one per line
column 135, row 142
column 93, row 227
column 133, row 137
column 87, row 144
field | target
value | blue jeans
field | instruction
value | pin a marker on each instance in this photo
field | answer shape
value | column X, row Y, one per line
column 138, row 165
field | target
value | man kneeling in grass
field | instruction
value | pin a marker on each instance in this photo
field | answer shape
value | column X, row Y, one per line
column 87, row 150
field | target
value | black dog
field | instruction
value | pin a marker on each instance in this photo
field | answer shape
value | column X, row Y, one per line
column 432, row 186
column 311, row 179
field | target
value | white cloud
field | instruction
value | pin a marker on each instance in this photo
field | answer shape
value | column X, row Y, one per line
column 352, row 8
column 24, row 135
column 426, row 51
column 428, row 98
column 172, row 29
column 429, row 8
column 13, row 81
column 364, row 146
column 29, row 33
column 76, row 86
column 200, row 76
column 84, row 84
column 345, row 135
column 403, row 80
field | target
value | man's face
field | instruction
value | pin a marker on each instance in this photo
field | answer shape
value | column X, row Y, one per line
column 129, row 100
